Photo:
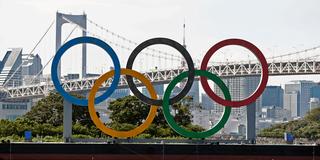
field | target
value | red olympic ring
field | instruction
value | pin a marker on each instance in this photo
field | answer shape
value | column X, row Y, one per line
column 263, row 80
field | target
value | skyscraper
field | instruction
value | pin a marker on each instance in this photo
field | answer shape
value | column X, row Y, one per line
column 119, row 93
column 292, row 103
column 10, row 70
column 31, row 67
column 303, row 89
column 314, row 103
column 193, row 93
column 159, row 88
column 240, row 88
column 315, row 91
column 206, row 102
column 272, row 96
column 20, row 67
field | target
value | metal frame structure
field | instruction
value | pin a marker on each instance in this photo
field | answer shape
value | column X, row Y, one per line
column 165, row 76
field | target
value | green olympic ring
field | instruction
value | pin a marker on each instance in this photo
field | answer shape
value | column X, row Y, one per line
column 182, row 131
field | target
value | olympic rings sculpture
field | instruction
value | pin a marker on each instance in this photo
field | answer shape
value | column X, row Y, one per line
column 153, row 100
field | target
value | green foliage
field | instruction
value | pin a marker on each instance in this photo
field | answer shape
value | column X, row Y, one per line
column 129, row 112
column 81, row 136
column 47, row 139
column 308, row 127
column 45, row 121
column 313, row 115
column 183, row 115
column 19, row 126
column 46, row 116
column 50, row 110
column 47, row 110
column 144, row 136
column 12, row 138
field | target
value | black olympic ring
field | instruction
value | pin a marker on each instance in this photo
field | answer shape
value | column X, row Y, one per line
column 185, row 54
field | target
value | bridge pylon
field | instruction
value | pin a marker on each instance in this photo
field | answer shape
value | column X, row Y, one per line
column 80, row 20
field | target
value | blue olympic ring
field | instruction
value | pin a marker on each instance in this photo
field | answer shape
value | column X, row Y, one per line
column 91, row 40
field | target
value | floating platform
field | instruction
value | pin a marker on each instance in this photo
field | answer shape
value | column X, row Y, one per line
column 104, row 151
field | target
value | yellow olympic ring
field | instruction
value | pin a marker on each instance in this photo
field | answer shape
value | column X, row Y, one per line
column 101, row 125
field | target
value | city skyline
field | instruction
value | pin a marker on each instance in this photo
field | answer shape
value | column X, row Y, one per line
column 240, row 87
column 143, row 79
column 169, row 27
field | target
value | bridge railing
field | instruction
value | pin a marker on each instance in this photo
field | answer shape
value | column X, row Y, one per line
column 165, row 76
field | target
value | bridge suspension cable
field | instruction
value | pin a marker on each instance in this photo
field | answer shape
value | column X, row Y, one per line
column 309, row 57
column 295, row 53
column 37, row 75
column 30, row 53
column 176, row 57
column 159, row 56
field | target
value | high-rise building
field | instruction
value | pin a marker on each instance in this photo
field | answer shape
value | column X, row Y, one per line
column 102, row 107
column 206, row 102
column 159, row 88
column 71, row 76
column 31, row 67
column 201, row 117
column 315, row 91
column 12, row 110
column 10, row 70
column 314, row 103
column 18, row 68
column 292, row 103
column 268, row 112
column 240, row 88
column 242, row 129
column 193, row 93
column 303, row 88
column 272, row 96
column 119, row 93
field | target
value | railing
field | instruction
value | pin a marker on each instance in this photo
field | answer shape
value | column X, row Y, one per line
column 165, row 76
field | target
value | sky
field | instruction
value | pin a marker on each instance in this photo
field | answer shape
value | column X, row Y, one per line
column 276, row 27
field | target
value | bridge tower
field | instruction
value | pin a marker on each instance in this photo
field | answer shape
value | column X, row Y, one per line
column 81, row 21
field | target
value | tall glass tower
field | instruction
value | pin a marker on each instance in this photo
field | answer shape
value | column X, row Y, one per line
column 10, row 73
column 303, row 89
column 240, row 88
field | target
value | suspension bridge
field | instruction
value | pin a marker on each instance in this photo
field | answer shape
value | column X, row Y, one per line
column 278, row 65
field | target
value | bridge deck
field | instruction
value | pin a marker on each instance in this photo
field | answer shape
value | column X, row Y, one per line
column 165, row 76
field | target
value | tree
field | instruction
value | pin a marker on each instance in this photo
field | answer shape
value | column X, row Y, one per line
column 308, row 127
column 50, row 110
column 45, row 119
column 313, row 115
column 129, row 112
column 182, row 114
column 47, row 110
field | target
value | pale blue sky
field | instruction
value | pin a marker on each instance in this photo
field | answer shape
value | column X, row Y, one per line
column 276, row 27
